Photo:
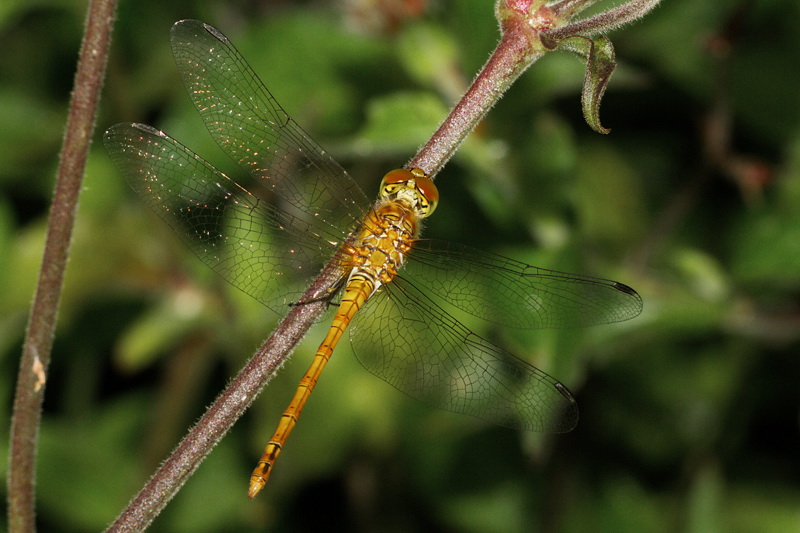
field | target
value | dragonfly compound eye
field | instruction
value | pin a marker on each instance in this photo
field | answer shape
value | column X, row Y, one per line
column 428, row 191
column 412, row 187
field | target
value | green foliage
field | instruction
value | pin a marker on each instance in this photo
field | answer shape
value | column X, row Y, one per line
column 689, row 412
column 598, row 54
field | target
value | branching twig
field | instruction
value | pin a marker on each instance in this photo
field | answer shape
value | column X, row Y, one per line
column 511, row 57
column 522, row 22
column 605, row 21
column 567, row 9
column 35, row 357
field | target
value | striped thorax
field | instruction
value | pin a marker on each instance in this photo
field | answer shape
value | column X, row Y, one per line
column 388, row 232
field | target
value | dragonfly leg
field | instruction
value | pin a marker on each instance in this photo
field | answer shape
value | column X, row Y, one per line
column 326, row 296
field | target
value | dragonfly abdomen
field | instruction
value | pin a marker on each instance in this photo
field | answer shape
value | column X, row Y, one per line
column 375, row 256
column 359, row 289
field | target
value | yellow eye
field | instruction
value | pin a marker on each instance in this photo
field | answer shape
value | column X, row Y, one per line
column 427, row 188
column 399, row 175
column 412, row 187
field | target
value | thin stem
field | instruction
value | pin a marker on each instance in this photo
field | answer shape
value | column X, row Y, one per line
column 607, row 20
column 512, row 56
column 567, row 9
column 226, row 409
column 38, row 344
column 518, row 49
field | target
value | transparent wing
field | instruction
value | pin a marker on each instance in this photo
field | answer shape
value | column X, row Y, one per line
column 511, row 293
column 406, row 339
column 255, row 246
column 253, row 129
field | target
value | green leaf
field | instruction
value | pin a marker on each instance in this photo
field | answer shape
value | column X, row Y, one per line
column 429, row 54
column 159, row 329
column 598, row 53
column 399, row 122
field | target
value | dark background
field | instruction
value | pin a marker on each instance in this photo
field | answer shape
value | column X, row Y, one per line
column 689, row 413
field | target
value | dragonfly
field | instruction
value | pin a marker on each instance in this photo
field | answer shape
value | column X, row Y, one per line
column 397, row 293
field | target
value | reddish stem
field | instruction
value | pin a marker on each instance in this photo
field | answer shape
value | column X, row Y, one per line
column 223, row 413
column 38, row 344
column 521, row 21
column 517, row 50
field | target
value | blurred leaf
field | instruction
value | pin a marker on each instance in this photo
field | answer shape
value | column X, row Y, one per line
column 768, row 250
column 608, row 196
column 300, row 55
column 623, row 505
column 429, row 55
column 159, row 329
column 702, row 275
column 673, row 42
column 502, row 509
column 220, row 483
column 767, row 509
column 766, row 244
column 23, row 267
column 705, row 496
column 29, row 146
column 761, row 83
column 549, row 162
column 92, row 459
column 399, row 122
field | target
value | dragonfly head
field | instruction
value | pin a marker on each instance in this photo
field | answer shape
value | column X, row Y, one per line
column 411, row 187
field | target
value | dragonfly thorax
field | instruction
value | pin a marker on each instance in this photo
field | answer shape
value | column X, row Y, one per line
column 379, row 248
column 413, row 188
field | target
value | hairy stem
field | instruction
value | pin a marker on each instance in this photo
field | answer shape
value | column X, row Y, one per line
column 569, row 8
column 509, row 60
column 40, row 332
column 517, row 50
column 605, row 21
column 519, row 47
column 224, row 412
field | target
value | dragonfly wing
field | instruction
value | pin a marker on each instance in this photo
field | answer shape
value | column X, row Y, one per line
column 511, row 293
column 409, row 341
column 250, row 243
column 253, row 129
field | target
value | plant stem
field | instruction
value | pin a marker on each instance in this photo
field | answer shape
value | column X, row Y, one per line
column 519, row 47
column 607, row 20
column 508, row 61
column 225, row 411
column 515, row 53
column 38, row 344
column 569, row 8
